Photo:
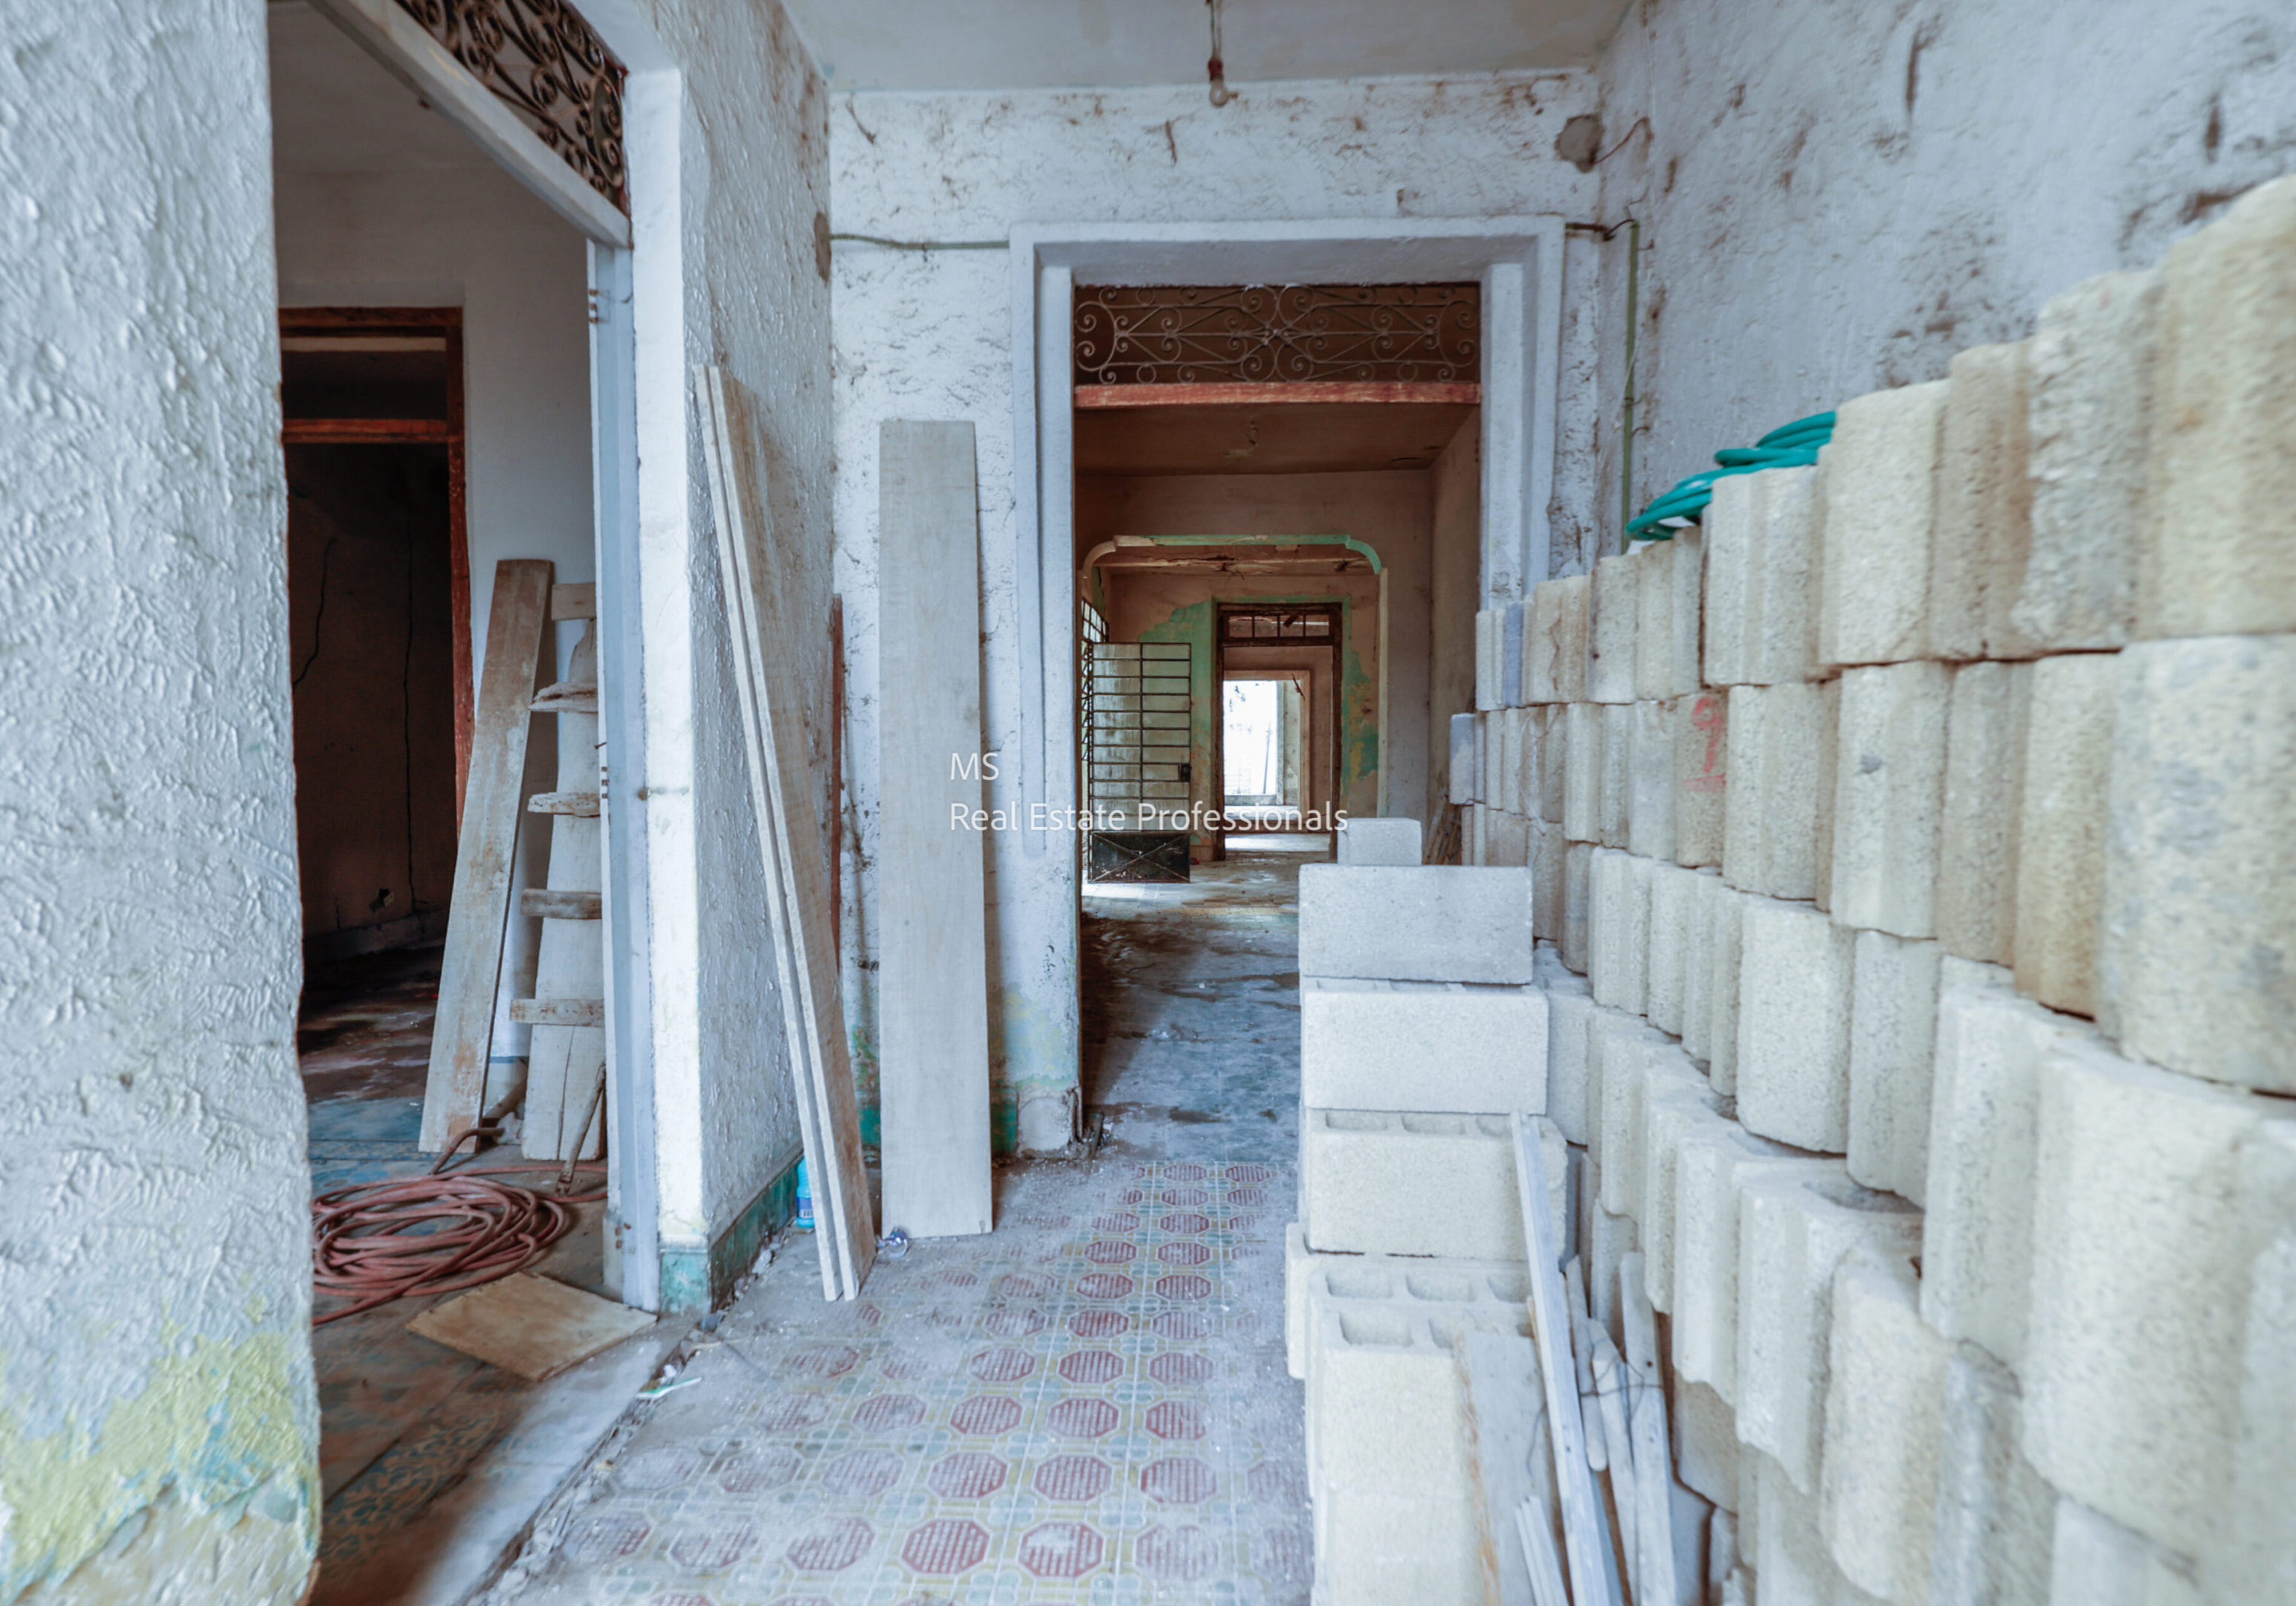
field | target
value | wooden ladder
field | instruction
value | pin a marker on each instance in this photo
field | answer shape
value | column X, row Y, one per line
column 569, row 1012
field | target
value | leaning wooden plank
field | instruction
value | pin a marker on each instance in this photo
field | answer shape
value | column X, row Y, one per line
column 1538, row 1555
column 1610, row 1399
column 1585, row 1535
column 932, row 987
column 1499, row 1377
column 557, row 903
column 472, row 967
column 1653, row 1458
column 558, row 1012
column 790, row 836
column 578, row 600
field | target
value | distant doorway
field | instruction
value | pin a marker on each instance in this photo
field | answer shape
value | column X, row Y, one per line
column 1278, row 734
column 1263, row 747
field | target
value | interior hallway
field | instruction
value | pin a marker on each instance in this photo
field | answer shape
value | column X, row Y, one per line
column 1089, row 1404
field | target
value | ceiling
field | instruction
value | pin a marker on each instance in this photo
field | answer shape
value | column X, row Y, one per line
column 1288, row 438
column 1059, row 43
column 335, row 110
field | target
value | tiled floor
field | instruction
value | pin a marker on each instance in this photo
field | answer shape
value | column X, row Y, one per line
column 1088, row 1404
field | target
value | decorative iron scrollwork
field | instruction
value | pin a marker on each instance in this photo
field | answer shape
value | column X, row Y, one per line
column 544, row 60
column 1260, row 334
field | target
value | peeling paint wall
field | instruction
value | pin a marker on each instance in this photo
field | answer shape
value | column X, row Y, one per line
column 929, row 335
column 158, row 1429
column 1840, row 196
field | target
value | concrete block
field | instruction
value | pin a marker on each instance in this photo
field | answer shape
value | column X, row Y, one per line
column 1976, row 1253
column 1996, row 1517
column 1667, row 969
column 1794, row 1229
column 1792, row 1566
column 1889, row 794
column 1779, row 748
column 1556, row 646
column 1507, row 839
column 1359, row 1275
column 1873, row 562
column 2090, row 416
column 1582, row 771
column 1427, row 922
column 2095, row 1561
column 1698, row 967
column 1570, row 1010
column 1611, row 630
column 2057, row 894
column 1884, row 1428
column 1613, row 786
column 1472, row 835
column 1375, row 1182
column 1701, row 777
column 1792, row 1070
column 1705, row 1443
column 1440, row 1045
column 1578, row 863
column 1619, row 930
column 1619, row 1049
column 2132, row 1365
column 2254, row 1557
column 1760, row 577
column 1984, row 526
column 2197, row 947
column 2219, row 561
column 1553, row 756
column 1491, row 789
column 1654, row 571
column 1389, row 841
column 1725, row 930
column 1373, row 1547
column 1984, row 793
column 1511, row 621
column 1525, row 754
column 1487, row 660
column 1676, row 1100
column 1708, row 1161
column 1650, row 780
column 1466, row 758
column 1547, row 849
column 1687, row 578
column 1892, row 1051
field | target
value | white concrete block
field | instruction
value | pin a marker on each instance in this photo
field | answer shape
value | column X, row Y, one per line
column 1547, row 849
column 1698, row 967
column 1391, row 841
column 1487, row 660
column 2196, row 959
column 1995, row 1516
column 1611, row 630
column 1466, row 758
column 1702, row 778
column 1873, row 564
column 2058, row 894
column 1507, row 839
column 1654, row 571
column 1884, row 1428
column 1619, row 1051
column 1984, row 526
column 1582, row 771
column 1491, row 789
column 1389, row 1183
column 1667, row 984
column 1618, row 929
column 1780, row 758
column 1554, row 760
column 1794, row 1229
column 1525, row 758
column 1726, row 933
column 2132, row 1365
column 2254, row 1556
column 1984, row 1105
column 2095, row 1561
column 1437, row 1046
column 1792, row 1070
column 1710, row 1152
column 1373, row 1547
column 1614, row 784
column 1676, row 1100
column 1650, row 780
column 1474, row 835
column 1687, row 578
column 1892, row 1054
column 1761, row 604
column 1570, row 1010
column 1557, row 643
column 2219, row 561
column 1705, row 1442
column 2090, row 414
column 1429, row 923
column 1578, row 863
column 1791, row 1564
column 1887, row 797
column 1381, row 1277
column 1511, row 621
column 1983, row 796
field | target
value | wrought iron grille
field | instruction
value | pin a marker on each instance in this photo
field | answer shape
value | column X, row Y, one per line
column 544, row 60
column 1165, row 334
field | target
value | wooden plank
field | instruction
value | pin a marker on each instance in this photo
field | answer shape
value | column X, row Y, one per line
column 472, row 966
column 752, row 567
column 558, row 1012
column 362, row 431
column 933, row 988
column 1611, row 1400
column 1540, row 1555
column 1646, row 1424
column 1585, row 1534
column 582, row 803
column 576, row 600
column 532, row 1326
column 556, row 903
column 1278, row 393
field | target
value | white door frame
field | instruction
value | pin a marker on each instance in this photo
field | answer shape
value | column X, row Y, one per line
column 1518, row 261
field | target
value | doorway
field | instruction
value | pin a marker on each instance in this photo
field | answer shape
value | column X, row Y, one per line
column 1279, row 735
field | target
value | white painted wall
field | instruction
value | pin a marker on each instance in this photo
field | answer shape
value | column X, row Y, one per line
column 1839, row 197
column 929, row 336
column 155, row 1375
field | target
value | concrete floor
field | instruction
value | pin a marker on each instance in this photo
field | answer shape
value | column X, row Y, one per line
column 1088, row 1404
